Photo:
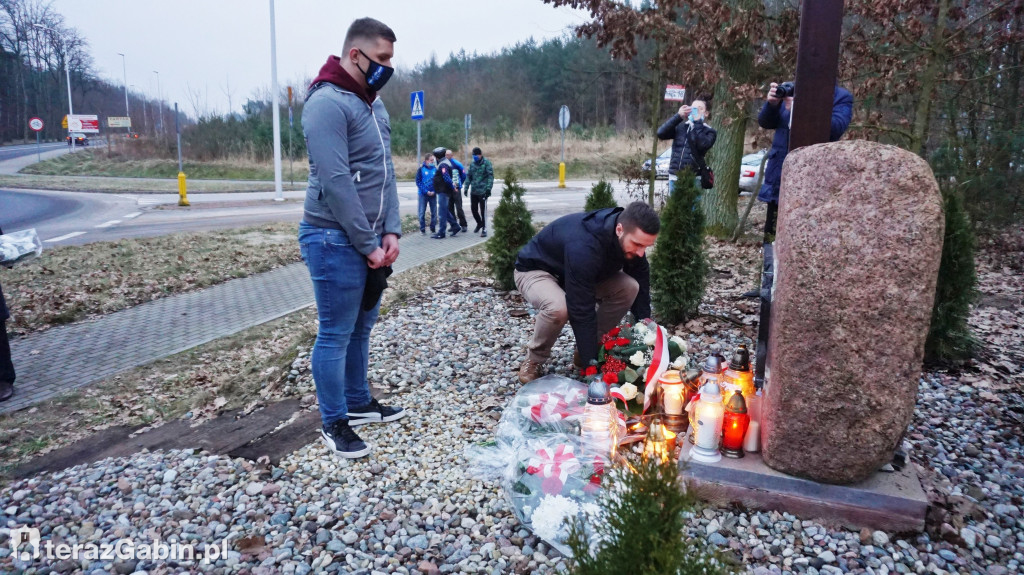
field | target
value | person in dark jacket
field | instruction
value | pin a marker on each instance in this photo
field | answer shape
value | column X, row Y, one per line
column 691, row 137
column 588, row 269
column 459, row 179
column 444, row 186
column 6, row 365
column 775, row 115
column 479, row 182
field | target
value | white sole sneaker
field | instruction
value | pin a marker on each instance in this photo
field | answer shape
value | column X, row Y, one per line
column 329, row 441
column 357, row 419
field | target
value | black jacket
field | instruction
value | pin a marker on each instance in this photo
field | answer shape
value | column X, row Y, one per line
column 581, row 250
column 443, row 183
column 703, row 138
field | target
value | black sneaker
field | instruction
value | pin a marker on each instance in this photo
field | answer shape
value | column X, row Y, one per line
column 483, row 233
column 373, row 412
column 456, row 232
column 476, row 229
column 341, row 439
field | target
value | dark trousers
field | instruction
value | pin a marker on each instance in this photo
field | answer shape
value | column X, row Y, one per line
column 455, row 207
column 770, row 220
column 479, row 206
column 6, row 366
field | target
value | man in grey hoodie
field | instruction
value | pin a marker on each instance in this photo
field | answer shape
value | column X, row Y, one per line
column 350, row 227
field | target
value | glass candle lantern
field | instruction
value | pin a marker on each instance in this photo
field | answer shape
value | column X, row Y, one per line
column 672, row 392
column 599, row 428
column 708, row 415
column 656, row 445
column 712, row 370
column 734, row 425
column 738, row 376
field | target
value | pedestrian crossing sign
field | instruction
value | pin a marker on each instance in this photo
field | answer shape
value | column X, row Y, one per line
column 416, row 103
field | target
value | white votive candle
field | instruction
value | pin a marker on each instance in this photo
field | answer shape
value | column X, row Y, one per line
column 752, row 440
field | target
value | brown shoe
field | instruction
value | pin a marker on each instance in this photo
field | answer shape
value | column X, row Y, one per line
column 529, row 371
column 576, row 361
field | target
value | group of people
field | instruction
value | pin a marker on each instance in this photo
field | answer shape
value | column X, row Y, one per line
column 440, row 179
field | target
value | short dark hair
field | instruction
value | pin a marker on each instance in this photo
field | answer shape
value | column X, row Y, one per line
column 477, row 152
column 640, row 215
column 368, row 29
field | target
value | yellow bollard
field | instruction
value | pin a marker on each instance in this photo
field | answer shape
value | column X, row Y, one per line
column 182, row 190
column 561, row 175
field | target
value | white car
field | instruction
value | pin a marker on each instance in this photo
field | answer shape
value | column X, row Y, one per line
column 661, row 166
column 750, row 167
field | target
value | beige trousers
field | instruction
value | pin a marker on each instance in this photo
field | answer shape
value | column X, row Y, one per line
column 614, row 298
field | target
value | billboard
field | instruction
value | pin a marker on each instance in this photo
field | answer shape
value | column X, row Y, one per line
column 89, row 124
column 119, row 122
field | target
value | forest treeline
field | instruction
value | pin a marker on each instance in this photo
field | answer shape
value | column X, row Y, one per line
column 942, row 78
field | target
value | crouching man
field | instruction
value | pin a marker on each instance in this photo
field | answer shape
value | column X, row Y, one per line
column 587, row 269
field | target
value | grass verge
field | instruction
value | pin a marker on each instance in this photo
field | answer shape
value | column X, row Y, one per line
column 71, row 283
column 100, row 163
column 237, row 371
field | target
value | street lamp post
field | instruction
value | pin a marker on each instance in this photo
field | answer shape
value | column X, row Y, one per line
column 279, row 196
column 67, row 74
column 160, row 105
column 124, row 69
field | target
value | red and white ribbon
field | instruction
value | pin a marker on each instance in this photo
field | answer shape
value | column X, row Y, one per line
column 659, row 364
column 555, row 466
column 554, row 407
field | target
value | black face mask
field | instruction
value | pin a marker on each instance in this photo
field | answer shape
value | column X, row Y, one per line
column 376, row 74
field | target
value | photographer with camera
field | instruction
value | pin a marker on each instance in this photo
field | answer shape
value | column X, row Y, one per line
column 776, row 114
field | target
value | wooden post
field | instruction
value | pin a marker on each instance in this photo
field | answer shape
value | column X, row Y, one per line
column 817, row 62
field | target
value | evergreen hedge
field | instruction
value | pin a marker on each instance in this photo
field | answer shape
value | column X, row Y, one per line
column 949, row 336
column 511, row 228
column 642, row 528
column 678, row 265
column 601, row 196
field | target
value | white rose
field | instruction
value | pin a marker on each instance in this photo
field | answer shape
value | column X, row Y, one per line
column 680, row 362
column 628, row 391
column 650, row 338
column 637, row 359
column 680, row 342
column 640, row 329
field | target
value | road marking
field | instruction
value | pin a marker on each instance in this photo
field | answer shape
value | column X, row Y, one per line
column 65, row 237
column 108, row 224
column 148, row 202
column 134, row 215
column 537, row 200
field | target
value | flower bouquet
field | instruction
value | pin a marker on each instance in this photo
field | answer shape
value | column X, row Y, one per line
column 19, row 247
column 631, row 358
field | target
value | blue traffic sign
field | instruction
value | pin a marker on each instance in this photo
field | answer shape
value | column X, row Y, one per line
column 416, row 103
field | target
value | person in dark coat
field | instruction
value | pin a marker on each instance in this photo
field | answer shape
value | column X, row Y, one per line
column 6, row 365
column 775, row 115
column 691, row 137
column 587, row 269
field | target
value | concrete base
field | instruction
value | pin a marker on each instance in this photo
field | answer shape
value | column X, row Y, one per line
column 892, row 502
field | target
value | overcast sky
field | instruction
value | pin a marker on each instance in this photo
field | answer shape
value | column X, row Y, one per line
column 207, row 44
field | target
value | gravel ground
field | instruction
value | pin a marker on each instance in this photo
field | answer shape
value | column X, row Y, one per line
column 450, row 358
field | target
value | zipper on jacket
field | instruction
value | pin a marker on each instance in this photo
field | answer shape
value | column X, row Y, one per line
column 384, row 150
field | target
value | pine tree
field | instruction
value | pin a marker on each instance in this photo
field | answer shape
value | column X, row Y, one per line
column 642, row 528
column 678, row 267
column 601, row 196
column 512, row 227
column 949, row 337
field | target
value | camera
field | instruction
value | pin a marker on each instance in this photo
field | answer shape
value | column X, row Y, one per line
column 785, row 90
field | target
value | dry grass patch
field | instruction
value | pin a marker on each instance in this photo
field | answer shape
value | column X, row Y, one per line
column 72, row 283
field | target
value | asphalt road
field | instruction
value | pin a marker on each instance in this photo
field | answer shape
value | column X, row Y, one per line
column 11, row 152
column 75, row 218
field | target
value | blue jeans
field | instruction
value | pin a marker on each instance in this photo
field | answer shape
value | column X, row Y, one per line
column 342, row 350
column 430, row 201
column 447, row 217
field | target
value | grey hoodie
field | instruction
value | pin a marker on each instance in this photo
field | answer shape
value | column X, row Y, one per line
column 351, row 178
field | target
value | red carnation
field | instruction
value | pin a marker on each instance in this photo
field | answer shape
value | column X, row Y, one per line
column 590, row 370
column 610, row 378
column 608, row 345
column 614, row 332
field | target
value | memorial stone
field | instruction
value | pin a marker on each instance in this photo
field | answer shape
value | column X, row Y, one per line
column 857, row 256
